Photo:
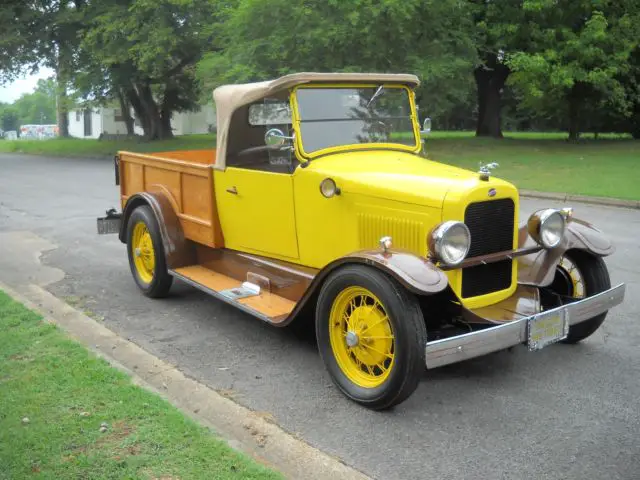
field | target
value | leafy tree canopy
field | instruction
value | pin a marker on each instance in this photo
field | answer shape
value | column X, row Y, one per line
column 578, row 52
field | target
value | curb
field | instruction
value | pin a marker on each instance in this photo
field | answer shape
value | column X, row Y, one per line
column 565, row 197
column 253, row 433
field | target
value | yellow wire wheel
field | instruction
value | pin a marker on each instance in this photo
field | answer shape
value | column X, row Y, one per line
column 361, row 337
column 580, row 275
column 146, row 255
column 371, row 336
column 574, row 277
column 142, row 250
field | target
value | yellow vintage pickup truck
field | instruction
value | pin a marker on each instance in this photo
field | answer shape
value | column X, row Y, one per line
column 318, row 204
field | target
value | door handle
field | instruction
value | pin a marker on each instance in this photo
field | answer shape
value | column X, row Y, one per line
column 233, row 190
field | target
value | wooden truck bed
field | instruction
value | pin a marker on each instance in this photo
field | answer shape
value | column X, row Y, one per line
column 186, row 177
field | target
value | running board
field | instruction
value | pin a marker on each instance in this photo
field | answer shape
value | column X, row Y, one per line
column 248, row 296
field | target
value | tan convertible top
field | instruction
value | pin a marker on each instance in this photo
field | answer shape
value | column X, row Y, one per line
column 228, row 98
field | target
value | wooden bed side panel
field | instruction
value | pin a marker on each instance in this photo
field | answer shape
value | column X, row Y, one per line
column 161, row 179
column 187, row 183
column 205, row 157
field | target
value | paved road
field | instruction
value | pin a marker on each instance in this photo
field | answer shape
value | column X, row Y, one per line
column 565, row 412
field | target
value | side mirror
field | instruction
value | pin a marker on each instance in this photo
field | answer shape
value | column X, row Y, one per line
column 275, row 137
column 426, row 126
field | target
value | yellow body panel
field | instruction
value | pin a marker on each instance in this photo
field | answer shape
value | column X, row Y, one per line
column 367, row 208
column 382, row 193
column 260, row 216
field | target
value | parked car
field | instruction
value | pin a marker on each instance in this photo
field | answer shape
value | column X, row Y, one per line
column 317, row 203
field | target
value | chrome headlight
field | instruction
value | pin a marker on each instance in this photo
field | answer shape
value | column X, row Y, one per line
column 450, row 242
column 547, row 227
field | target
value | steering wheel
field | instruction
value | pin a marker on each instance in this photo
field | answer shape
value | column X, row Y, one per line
column 262, row 148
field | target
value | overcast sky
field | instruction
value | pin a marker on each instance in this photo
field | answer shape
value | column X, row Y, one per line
column 10, row 92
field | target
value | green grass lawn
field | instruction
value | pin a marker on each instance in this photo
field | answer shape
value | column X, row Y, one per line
column 66, row 393
column 603, row 167
column 606, row 167
column 79, row 147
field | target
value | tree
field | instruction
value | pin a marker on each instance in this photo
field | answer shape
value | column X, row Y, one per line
column 630, row 81
column 8, row 118
column 41, row 32
column 38, row 107
column 581, row 49
column 499, row 28
column 143, row 52
column 430, row 38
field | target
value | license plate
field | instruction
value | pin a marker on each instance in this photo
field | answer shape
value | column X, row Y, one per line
column 108, row 225
column 547, row 328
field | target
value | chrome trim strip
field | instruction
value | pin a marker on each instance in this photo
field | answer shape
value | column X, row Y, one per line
column 493, row 339
column 219, row 296
column 492, row 258
column 590, row 307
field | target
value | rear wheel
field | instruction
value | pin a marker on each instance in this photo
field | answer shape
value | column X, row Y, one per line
column 579, row 275
column 371, row 336
column 146, row 253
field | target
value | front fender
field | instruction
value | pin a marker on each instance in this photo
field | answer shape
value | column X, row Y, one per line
column 539, row 268
column 415, row 273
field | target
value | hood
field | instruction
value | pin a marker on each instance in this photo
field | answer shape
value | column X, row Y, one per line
column 400, row 176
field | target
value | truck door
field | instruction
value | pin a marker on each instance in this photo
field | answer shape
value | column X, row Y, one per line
column 254, row 193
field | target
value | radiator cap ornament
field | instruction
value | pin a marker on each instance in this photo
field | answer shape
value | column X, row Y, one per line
column 485, row 170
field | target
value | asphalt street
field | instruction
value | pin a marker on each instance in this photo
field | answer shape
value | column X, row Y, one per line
column 566, row 412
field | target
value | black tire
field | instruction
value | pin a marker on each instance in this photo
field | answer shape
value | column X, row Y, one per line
column 160, row 284
column 596, row 280
column 408, row 327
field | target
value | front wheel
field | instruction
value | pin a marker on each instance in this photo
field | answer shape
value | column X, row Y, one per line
column 579, row 275
column 371, row 336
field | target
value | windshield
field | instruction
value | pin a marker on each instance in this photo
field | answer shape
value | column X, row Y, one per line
column 332, row 117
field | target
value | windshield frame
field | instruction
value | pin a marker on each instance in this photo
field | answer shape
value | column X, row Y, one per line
column 354, row 146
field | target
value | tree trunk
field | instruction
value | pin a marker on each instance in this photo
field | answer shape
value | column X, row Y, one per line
column 168, row 105
column 165, row 125
column 126, row 114
column 133, row 98
column 156, row 122
column 62, row 101
column 575, row 102
column 147, row 111
column 490, row 80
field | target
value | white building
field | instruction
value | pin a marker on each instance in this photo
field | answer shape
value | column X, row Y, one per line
column 90, row 123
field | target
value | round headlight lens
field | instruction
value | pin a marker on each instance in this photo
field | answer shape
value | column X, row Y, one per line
column 450, row 242
column 328, row 188
column 547, row 227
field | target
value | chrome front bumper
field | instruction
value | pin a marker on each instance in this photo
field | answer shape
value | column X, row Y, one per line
column 470, row 345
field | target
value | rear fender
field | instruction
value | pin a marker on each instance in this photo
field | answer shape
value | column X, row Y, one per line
column 178, row 250
column 539, row 268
